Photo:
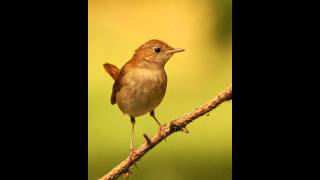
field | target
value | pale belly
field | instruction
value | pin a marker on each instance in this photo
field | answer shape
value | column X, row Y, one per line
column 142, row 92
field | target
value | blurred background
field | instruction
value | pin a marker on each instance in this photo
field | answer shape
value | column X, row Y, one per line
column 203, row 28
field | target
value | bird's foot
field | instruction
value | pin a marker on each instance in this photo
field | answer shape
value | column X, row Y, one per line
column 133, row 153
column 162, row 132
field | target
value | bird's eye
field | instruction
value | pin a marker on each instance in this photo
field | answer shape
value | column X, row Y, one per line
column 157, row 50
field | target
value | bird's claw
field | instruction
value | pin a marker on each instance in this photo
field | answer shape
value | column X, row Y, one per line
column 162, row 132
column 133, row 153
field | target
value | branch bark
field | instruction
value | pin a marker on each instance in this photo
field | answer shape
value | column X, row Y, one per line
column 178, row 124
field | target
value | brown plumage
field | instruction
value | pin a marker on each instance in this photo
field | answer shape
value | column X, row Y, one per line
column 112, row 70
column 140, row 85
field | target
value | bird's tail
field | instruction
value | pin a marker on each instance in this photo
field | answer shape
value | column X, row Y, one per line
column 112, row 70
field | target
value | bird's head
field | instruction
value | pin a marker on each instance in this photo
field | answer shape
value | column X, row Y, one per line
column 155, row 51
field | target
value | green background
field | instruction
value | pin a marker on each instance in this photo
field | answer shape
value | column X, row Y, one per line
column 203, row 28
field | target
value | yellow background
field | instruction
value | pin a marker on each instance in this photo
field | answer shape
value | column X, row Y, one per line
column 203, row 28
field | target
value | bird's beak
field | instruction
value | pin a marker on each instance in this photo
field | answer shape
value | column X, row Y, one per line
column 175, row 50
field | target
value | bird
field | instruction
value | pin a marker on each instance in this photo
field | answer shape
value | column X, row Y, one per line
column 140, row 85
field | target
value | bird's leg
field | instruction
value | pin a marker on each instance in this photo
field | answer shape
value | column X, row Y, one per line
column 132, row 150
column 152, row 114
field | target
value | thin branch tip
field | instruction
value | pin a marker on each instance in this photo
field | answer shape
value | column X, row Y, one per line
column 184, row 130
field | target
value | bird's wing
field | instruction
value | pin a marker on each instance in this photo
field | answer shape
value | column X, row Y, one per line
column 114, row 72
column 116, row 87
column 118, row 84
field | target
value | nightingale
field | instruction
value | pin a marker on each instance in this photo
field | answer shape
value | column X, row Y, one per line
column 140, row 85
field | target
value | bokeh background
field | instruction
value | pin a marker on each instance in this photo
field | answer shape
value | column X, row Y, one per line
column 203, row 28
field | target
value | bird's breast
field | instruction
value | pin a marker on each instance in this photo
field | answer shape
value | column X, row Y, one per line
column 142, row 91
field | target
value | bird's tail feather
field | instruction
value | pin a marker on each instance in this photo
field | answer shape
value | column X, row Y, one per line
column 112, row 70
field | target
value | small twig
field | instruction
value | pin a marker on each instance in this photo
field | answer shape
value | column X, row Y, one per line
column 184, row 129
column 178, row 124
column 147, row 138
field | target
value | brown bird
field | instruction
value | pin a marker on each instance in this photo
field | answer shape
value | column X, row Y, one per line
column 141, row 83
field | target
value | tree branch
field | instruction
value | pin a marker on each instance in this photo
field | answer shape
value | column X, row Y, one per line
column 178, row 124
